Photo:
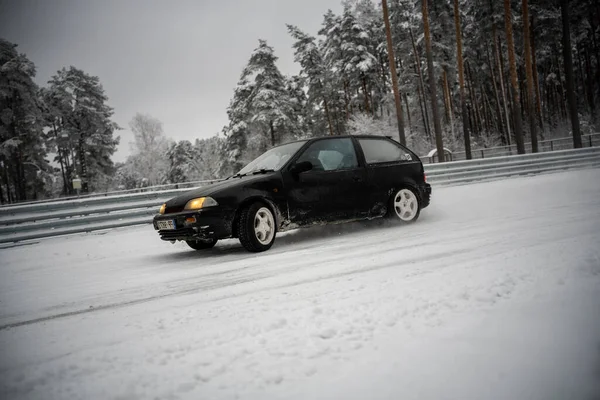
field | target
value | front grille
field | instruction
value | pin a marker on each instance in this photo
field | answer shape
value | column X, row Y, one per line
column 177, row 234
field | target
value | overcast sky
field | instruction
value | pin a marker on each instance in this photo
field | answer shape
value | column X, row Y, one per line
column 178, row 60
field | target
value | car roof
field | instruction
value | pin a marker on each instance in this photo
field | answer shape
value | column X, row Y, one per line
column 341, row 137
column 312, row 139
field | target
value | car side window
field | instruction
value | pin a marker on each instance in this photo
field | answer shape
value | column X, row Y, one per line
column 381, row 151
column 331, row 155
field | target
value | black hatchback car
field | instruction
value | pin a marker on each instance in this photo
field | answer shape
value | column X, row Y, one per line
column 317, row 181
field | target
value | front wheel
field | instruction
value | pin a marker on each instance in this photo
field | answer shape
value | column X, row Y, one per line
column 257, row 228
column 202, row 244
column 404, row 205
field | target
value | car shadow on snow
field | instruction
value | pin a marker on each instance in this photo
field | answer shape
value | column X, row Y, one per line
column 302, row 237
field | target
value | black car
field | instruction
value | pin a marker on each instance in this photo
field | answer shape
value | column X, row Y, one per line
column 316, row 181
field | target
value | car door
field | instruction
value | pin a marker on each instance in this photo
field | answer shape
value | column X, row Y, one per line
column 333, row 190
column 388, row 165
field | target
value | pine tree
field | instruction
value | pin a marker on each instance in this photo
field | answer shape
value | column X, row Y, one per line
column 78, row 105
column 22, row 142
column 314, row 73
column 180, row 157
column 261, row 111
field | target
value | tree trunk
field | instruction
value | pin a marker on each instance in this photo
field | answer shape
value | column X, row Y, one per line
column 474, row 103
column 590, row 84
column 9, row 196
column 346, row 99
column 513, row 75
column 424, row 115
column 498, row 108
column 536, row 80
column 561, row 91
column 392, row 61
column 421, row 82
column 1, row 190
column 366, row 94
column 461, row 81
column 580, row 74
column 568, row 61
column 529, row 75
column 448, row 98
column 272, row 131
column 328, row 116
column 502, row 86
column 408, row 119
column 432, row 86
column 60, row 159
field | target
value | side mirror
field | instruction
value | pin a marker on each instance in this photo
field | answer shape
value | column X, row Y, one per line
column 301, row 167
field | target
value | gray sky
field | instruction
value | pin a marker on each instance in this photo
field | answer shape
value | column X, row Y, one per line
column 178, row 60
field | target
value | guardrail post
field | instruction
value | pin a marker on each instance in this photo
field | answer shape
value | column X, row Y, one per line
column 590, row 138
column 552, row 145
column 482, row 154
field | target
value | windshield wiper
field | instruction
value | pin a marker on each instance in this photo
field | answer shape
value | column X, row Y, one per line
column 238, row 175
column 253, row 172
column 262, row 171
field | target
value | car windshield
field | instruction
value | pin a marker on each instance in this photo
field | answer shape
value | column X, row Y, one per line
column 272, row 159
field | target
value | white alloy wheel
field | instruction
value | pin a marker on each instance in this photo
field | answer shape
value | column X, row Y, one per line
column 406, row 205
column 264, row 226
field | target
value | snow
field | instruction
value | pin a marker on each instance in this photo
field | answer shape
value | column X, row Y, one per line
column 493, row 294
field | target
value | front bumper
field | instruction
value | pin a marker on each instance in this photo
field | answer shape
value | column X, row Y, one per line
column 210, row 223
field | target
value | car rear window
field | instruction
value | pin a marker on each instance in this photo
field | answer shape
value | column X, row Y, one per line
column 381, row 151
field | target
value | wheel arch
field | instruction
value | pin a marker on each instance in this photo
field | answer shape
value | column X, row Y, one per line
column 408, row 184
column 251, row 200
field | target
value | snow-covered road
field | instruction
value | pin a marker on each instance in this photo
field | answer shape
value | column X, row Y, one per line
column 493, row 294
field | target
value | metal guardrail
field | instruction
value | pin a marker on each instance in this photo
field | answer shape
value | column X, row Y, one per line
column 38, row 220
column 562, row 143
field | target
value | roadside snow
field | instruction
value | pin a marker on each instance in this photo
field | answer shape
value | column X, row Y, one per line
column 494, row 293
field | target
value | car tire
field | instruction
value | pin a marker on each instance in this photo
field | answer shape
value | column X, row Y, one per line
column 404, row 205
column 257, row 228
column 202, row 244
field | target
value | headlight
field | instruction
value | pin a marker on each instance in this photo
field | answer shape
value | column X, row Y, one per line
column 162, row 208
column 200, row 202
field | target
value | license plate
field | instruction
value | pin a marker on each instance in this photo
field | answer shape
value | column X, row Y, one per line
column 166, row 225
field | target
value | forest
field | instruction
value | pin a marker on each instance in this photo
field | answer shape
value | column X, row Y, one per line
column 461, row 75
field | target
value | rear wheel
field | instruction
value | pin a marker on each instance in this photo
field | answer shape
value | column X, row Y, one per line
column 257, row 228
column 202, row 244
column 404, row 205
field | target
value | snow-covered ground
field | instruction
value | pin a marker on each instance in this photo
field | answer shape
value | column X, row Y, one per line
column 493, row 294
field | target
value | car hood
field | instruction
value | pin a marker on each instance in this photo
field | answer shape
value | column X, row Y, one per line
column 214, row 189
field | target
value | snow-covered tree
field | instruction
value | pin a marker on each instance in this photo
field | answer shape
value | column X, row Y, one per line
column 149, row 149
column 82, row 128
column 261, row 113
column 320, row 99
column 22, row 141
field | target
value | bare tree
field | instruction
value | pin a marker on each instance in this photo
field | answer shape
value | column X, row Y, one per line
column 149, row 148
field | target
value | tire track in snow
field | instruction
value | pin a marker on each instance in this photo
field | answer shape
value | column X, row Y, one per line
column 197, row 289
